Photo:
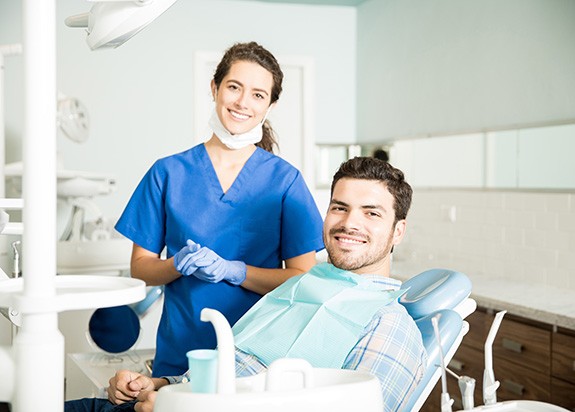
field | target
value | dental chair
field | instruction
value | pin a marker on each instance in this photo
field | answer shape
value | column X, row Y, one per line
column 431, row 293
column 437, row 292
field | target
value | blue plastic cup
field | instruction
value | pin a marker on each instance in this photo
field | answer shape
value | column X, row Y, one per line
column 203, row 365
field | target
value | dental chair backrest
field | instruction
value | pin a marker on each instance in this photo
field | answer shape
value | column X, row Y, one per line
column 444, row 292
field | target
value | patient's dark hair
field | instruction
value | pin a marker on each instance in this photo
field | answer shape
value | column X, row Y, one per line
column 369, row 168
column 255, row 53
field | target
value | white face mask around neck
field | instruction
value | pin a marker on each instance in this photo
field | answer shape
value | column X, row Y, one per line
column 235, row 141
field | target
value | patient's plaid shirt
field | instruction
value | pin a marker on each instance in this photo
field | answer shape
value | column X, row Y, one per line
column 390, row 348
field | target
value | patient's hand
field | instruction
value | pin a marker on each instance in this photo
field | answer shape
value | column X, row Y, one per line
column 146, row 401
column 126, row 386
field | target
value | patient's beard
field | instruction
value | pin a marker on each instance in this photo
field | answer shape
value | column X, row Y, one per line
column 350, row 261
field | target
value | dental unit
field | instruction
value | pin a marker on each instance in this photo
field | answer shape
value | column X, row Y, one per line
column 490, row 385
column 291, row 383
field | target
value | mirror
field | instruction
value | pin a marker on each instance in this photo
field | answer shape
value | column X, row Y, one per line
column 529, row 158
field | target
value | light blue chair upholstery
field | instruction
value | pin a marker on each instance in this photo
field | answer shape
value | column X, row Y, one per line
column 444, row 292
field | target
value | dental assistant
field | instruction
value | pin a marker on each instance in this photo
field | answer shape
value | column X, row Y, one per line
column 236, row 220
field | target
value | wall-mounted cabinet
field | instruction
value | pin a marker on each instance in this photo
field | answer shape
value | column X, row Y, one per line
column 526, row 158
column 534, row 158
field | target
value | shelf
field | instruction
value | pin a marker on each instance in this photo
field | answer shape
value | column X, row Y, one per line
column 77, row 257
column 73, row 292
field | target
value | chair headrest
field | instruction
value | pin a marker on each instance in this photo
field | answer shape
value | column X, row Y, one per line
column 433, row 290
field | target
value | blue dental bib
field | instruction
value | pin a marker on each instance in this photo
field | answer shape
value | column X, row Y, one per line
column 318, row 316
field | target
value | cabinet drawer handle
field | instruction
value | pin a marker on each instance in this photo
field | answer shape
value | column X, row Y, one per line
column 514, row 387
column 512, row 345
column 456, row 364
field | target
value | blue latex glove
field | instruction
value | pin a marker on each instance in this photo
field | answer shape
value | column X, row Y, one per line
column 213, row 268
column 183, row 259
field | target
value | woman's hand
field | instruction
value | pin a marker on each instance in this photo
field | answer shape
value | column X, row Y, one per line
column 213, row 268
column 183, row 260
column 207, row 265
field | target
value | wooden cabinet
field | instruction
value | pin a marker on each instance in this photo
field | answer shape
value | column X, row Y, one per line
column 563, row 394
column 519, row 382
column 563, row 369
column 522, row 360
column 563, row 364
column 530, row 360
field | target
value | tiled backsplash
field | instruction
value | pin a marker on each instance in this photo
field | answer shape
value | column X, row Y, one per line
column 523, row 236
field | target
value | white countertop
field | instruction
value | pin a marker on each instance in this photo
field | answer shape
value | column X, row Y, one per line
column 539, row 302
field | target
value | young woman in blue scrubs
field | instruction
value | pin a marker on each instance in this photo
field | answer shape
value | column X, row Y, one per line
column 236, row 220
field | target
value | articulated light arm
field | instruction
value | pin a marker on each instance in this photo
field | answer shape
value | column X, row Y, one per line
column 110, row 23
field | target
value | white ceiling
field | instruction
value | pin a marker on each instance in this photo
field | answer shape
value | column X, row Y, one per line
column 320, row 2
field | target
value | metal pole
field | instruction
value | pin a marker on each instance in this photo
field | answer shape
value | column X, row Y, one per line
column 39, row 346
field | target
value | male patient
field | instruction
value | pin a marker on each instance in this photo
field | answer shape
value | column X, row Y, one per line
column 365, row 220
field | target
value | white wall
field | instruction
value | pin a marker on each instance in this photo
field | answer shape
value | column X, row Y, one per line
column 527, row 237
column 140, row 96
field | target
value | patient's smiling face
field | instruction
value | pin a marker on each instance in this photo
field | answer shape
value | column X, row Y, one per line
column 359, row 228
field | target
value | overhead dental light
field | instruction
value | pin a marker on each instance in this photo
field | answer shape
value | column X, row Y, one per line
column 110, row 23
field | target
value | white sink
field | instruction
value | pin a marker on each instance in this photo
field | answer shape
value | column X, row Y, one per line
column 287, row 385
column 520, row 406
column 333, row 390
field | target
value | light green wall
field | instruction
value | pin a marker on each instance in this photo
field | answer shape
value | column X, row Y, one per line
column 454, row 66
column 140, row 96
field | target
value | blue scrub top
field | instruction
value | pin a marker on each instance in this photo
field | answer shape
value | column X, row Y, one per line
column 266, row 216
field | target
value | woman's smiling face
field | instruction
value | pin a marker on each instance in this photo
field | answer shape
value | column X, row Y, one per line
column 243, row 97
